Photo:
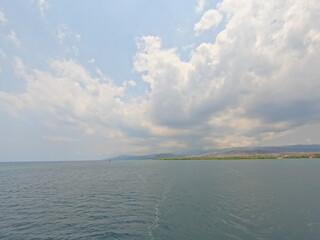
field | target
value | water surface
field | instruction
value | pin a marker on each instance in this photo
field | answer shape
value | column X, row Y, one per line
column 240, row 199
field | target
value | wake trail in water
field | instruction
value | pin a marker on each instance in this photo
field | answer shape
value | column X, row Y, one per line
column 157, row 214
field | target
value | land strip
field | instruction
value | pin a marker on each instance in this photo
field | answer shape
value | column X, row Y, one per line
column 246, row 154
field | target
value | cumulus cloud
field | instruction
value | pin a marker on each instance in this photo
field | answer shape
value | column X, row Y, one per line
column 200, row 5
column 67, row 95
column 210, row 19
column 258, row 74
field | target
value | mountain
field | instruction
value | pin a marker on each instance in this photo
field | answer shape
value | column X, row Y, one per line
column 241, row 151
column 122, row 157
column 142, row 157
column 238, row 153
column 293, row 148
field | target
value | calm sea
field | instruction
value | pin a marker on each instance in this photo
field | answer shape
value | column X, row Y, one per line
column 196, row 200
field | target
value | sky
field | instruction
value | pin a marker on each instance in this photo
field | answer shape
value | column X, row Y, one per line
column 93, row 79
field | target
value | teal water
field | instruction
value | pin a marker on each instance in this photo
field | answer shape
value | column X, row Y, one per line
column 241, row 199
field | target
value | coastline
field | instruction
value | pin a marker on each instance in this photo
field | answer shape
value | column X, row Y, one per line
column 273, row 156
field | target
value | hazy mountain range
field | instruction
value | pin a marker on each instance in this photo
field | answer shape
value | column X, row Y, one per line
column 241, row 151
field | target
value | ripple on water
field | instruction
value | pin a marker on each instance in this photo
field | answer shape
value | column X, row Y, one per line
column 160, row 200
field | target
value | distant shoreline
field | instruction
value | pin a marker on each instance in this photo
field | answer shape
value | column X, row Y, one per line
column 274, row 156
column 268, row 152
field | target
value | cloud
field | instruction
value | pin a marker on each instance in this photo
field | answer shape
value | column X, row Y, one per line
column 70, row 96
column 3, row 18
column 182, row 93
column 12, row 37
column 258, row 75
column 68, row 38
column 43, row 6
column 210, row 19
column 131, row 83
column 60, row 139
column 67, row 96
column 200, row 6
column 66, row 92
column 254, row 82
column 64, row 33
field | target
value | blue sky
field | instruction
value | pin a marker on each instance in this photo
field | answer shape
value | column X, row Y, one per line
column 93, row 79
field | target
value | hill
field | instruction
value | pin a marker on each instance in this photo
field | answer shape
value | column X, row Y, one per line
column 267, row 151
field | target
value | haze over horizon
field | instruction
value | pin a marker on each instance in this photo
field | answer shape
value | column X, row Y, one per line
column 93, row 79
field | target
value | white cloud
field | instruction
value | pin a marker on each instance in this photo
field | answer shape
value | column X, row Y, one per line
column 210, row 19
column 201, row 5
column 68, row 38
column 64, row 33
column 69, row 96
column 259, row 73
column 131, row 83
column 19, row 68
column 66, row 92
column 43, row 6
column 187, row 47
column 3, row 18
column 12, row 37
column 10, row 102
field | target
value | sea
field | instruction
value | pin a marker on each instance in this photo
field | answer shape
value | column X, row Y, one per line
column 158, row 200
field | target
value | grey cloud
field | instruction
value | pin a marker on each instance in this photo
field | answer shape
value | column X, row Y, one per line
column 261, row 66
